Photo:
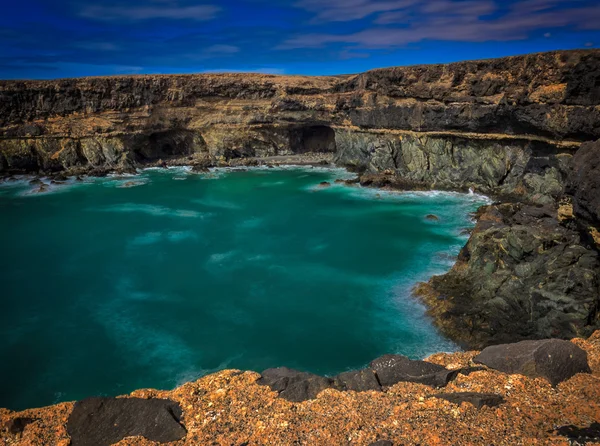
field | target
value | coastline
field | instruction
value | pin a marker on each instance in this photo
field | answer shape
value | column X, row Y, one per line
column 519, row 130
column 232, row 407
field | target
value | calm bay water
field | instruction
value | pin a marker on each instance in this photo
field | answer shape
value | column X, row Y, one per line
column 107, row 288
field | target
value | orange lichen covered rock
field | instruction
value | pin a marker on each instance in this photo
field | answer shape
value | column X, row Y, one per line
column 231, row 408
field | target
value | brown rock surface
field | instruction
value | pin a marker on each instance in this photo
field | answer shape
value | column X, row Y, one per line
column 430, row 124
column 230, row 408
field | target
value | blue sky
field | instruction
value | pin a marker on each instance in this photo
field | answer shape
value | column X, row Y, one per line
column 53, row 38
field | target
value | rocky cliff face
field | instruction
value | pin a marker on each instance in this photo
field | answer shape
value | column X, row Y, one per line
column 524, row 115
column 508, row 127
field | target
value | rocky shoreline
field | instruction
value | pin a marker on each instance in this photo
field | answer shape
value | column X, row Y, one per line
column 518, row 129
column 533, row 392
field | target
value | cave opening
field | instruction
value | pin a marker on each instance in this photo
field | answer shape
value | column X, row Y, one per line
column 314, row 138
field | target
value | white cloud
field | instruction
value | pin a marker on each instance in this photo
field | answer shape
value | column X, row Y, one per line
column 452, row 20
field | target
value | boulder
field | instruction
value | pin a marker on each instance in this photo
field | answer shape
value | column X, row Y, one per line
column 104, row 421
column 553, row 359
column 293, row 385
column 391, row 369
column 476, row 399
column 432, row 217
column 357, row 380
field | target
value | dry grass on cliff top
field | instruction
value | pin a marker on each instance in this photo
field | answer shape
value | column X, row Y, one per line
column 229, row 408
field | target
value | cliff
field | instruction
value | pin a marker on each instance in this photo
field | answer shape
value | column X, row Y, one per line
column 432, row 124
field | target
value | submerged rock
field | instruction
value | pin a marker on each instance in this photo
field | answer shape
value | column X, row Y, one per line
column 553, row 359
column 105, row 421
column 432, row 217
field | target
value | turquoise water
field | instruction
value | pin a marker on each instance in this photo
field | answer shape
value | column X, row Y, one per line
column 108, row 288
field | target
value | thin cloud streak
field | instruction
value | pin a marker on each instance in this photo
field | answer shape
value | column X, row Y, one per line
column 443, row 20
column 138, row 13
column 348, row 10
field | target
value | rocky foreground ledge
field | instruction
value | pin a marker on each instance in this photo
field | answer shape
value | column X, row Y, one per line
column 533, row 392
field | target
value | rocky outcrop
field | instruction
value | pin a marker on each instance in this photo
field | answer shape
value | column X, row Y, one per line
column 528, row 271
column 522, row 275
column 524, row 169
column 382, row 373
column 231, row 407
column 294, row 385
column 553, row 359
column 105, row 421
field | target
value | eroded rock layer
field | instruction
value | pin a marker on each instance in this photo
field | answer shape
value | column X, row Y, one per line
column 432, row 124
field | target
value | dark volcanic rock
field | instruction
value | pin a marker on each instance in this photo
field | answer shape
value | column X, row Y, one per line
column 357, row 380
column 553, row 359
column 293, row 385
column 581, row 434
column 392, row 369
column 17, row 425
column 584, row 181
column 522, row 275
column 104, row 421
column 476, row 399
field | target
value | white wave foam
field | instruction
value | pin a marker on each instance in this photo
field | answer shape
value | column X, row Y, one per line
column 400, row 196
column 142, row 344
column 124, row 184
column 215, row 203
column 220, row 257
column 179, row 236
column 271, row 183
column 149, row 238
column 154, row 210
column 259, row 258
column 251, row 223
